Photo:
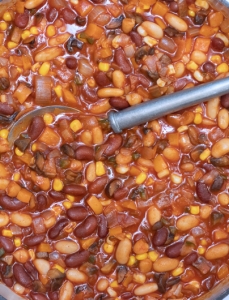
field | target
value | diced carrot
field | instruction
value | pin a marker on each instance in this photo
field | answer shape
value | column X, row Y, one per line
column 174, row 139
column 207, row 30
column 83, row 8
column 42, row 182
column 147, row 2
column 188, row 45
column 114, row 9
column 44, row 279
column 127, row 280
column 22, row 93
column 13, row 189
column 95, row 205
column 94, row 31
column 202, row 44
column 44, row 247
column 159, row 22
column 85, row 244
column 115, row 231
column 49, row 137
column 4, row 145
column 16, row 60
column 134, row 171
column 143, row 92
column 24, row 195
column 159, row 163
column 16, row 35
column 26, row 158
column 215, row 19
column 159, row 8
column 1, row 37
column 27, row 64
column 68, row 96
column 3, row 183
column 104, row 53
column 20, row 7
column 4, row 51
column 3, row 171
column 129, row 204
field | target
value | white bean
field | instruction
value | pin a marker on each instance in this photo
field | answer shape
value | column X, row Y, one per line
column 21, row 219
column 213, row 107
column 66, row 247
column 145, row 289
column 21, row 255
column 198, row 57
column 153, row 215
column 165, row 264
column 223, row 118
column 123, row 251
column 66, row 291
column 42, row 265
column 110, row 92
column 151, row 29
column 76, row 276
column 102, row 284
column 187, row 222
column 176, row 22
column 220, row 148
column 4, row 219
column 119, row 79
column 217, row 251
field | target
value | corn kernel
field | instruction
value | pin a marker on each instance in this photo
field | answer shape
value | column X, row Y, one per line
column 141, row 256
column 132, row 260
column 139, row 278
column 57, row 185
column 195, row 283
column 18, row 152
column 16, row 176
column 91, row 82
column 150, row 41
column 32, row 254
column 176, row 237
column 99, row 168
column 51, row 30
column 139, row 10
column 205, row 154
column 58, row 91
column 11, row 45
column 182, row 128
column 104, row 66
column 25, row 34
column 44, row 69
column 70, row 198
column 129, row 236
column 141, row 178
column 48, row 118
column 34, row 30
column 17, row 242
column 67, row 204
column 176, row 178
column 7, row 17
column 4, row 133
column 198, row 118
column 171, row 70
column 108, row 248
column 192, row 66
column 114, row 284
column 163, row 173
column 34, row 147
column 161, row 83
column 191, row 13
column 203, row 242
column 177, row 271
column 75, row 125
column 201, row 250
column 3, row 26
column 216, row 59
column 198, row 109
column 153, row 255
column 7, row 232
column 146, row 7
column 57, row 210
column 222, row 68
column 58, row 267
column 194, row 209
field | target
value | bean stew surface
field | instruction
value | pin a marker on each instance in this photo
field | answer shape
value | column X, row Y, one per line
column 90, row 214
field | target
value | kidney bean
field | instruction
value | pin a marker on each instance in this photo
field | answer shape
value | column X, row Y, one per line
column 21, row 275
column 113, row 143
column 217, row 44
column 8, row 281
column 84, row 153
column 136, row 38
column 36, row 127
column 77, row 213
column 120, row 194
column 122, row 61
column 38, row 296
column 41, row 202
column 118, row 103
column 174, row 250
column 34, row 240
column 97, row 186
column 52, row 14
column 6, row 109
column 58, row 196
column 71, row 62
column 81, row 21
column 202, row 192
column 102, row 227
column 209, row 67
column 87, row 227
column 69, row 15
column 11, row 203
column 56, row 229
column 224, row 101
column 7, row 244
column 102, row 79
column 53, row 295
column 21, row 20
column 77, row 259
column 174, row 6
column 160, row 236
column 75, row 190
column 190, row 258
column 31, row 270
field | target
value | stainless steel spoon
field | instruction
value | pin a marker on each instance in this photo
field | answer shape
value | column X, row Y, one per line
column 138, row 114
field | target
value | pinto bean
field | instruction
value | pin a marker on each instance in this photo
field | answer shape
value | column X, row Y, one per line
column 87, row 227
column 220, row 148
column 145, row 289
column 21, row 20
column 77, row 213
column 113, row 143
column 7, row 244
column 36, row 127
column 191, row 258
column 165, row 264
column 102, row 79
column 187, row 222
column 202, row 192
column 122, row 61
column 38, row 296
column 123, row 251
column 76, row 276
column 75, row 190
column 154, row 215
column 118, row 103
column 34, row 240
column 21, row 275
column 84, row 153
column 11, row 203
column 102, row 227
column 6, row 109
column 174, row 250
column 160, row 236
column 218, row 251
column 41, row 202
column 4, row 219
column 76, row 259
column 56, row 229
column 66, row 247
column 97, row 186
column 21, row 219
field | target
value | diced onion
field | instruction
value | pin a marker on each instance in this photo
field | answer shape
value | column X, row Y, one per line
column 129, row 51
column 85, row 68
column 43, row 90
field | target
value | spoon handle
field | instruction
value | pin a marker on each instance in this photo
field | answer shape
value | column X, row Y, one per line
column 164, row 105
